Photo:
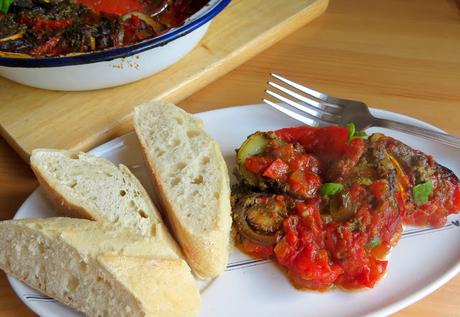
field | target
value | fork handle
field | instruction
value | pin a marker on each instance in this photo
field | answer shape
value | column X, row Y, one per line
column 422, row 132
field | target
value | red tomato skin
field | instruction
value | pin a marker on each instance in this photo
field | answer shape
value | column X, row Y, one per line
column 328, row 143
column 291, row 135
column 38, row 24
column 117, row 7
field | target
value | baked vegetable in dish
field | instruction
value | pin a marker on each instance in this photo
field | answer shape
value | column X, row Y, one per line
column 328, row 204
column 57, row 27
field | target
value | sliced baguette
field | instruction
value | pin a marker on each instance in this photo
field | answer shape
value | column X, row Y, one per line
column 123, row 274
column 90, row 187
column 191, row 178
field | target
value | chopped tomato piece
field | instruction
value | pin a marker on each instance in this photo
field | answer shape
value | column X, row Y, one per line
column 304, row 183
column 257, row 164
column 379, row 188
column 284, row 152
column 277, row 170
column 303, row 162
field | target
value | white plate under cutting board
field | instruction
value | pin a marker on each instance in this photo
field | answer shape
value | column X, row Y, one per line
column 424, row 259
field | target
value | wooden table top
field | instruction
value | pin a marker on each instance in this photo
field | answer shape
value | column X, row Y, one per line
column 397, row 55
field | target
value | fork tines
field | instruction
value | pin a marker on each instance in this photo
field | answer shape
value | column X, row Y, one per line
column 313, row 105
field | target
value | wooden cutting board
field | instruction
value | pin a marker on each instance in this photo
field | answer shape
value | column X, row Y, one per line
column 32, row 118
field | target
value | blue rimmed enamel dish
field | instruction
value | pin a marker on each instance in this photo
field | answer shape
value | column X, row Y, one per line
column 111, row 67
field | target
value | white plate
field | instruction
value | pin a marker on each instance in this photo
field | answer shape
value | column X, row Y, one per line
column 423, row 260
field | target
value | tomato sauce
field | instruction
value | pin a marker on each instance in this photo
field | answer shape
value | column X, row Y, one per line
column 347, row 201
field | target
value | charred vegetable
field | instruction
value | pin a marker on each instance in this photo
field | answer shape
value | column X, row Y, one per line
column 255, row 144
column 10, row 30
column 57, row 27
column 342, row 207
column 259, row 217
column 431, row 190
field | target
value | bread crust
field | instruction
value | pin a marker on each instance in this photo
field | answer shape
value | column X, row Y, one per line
column 206, row 252
column 63, row 205
column 154, row 283
column 138, row 273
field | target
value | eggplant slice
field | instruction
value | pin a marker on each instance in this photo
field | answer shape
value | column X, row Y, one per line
column 259, row 217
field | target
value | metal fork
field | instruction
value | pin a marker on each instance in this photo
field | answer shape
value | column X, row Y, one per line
column 319, row 107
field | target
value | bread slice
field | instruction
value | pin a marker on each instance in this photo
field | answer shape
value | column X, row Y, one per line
column 123, row 274
column 192, row 181
column 90, row 187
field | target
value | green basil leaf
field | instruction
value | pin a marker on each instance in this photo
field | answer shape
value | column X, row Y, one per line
column 351, row 130
column 375, row 242
column 360, row 134
column 352, row 133
column 330, row 189
column 421, row 192
column 5, row 5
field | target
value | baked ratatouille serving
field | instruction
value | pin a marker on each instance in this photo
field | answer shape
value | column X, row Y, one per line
column 328, row 204
column 57, row 27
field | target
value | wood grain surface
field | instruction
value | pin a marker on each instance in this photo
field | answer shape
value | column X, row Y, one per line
column 80, row 120
column 402, row 56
